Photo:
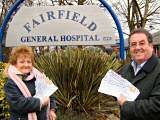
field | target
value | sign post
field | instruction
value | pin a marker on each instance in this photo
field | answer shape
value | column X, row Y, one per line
column 60, row 25
column 4, row 24
column 119, row 28
column 44, row 27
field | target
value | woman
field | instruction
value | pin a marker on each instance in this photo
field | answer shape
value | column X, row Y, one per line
column 20, row 88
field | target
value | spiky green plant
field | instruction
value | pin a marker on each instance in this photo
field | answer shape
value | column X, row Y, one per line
column 78, row 74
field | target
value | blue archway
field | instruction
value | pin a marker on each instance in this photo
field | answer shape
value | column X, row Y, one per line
column 104, row 2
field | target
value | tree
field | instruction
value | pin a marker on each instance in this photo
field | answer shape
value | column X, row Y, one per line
column 138, row 13
column 6, row 4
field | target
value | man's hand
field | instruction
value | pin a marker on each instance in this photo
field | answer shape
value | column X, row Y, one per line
column 121, row 100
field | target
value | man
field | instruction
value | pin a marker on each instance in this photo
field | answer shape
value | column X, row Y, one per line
column 144, row 73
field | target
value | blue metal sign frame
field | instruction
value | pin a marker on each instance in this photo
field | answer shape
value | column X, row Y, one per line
column 104, row 2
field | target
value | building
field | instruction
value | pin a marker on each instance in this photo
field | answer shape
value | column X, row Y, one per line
column 156, row 43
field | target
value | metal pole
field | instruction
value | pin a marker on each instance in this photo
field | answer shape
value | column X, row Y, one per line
column 114, row 16
column 4, row 24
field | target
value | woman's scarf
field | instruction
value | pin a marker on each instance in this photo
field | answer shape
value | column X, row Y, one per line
column 12, row 73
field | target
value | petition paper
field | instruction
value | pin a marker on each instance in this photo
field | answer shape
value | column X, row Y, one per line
column 113, row 84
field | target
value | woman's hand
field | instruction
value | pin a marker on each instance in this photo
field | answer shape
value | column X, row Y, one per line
column 45, row 101
column 52, row 114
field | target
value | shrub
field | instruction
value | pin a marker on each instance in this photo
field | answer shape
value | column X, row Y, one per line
column 3, row 102
column 78, row 74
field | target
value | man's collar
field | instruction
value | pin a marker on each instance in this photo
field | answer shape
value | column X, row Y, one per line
column 134, row 64
column 151, row 63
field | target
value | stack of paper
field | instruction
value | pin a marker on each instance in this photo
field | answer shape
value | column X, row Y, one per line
column 44, row 87
column 115, row 85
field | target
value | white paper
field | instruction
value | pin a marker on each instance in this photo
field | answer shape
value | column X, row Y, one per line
column 115, row 85
column 44, row 87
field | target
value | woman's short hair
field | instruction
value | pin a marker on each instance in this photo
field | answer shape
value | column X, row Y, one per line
column 21, row 50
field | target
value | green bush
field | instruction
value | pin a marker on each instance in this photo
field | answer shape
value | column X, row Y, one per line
column 78, row 74
column 3, row 102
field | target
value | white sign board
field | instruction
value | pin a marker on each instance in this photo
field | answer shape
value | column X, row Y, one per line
column 60, row 25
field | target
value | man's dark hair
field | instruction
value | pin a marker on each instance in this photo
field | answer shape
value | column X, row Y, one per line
column 144, row 31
